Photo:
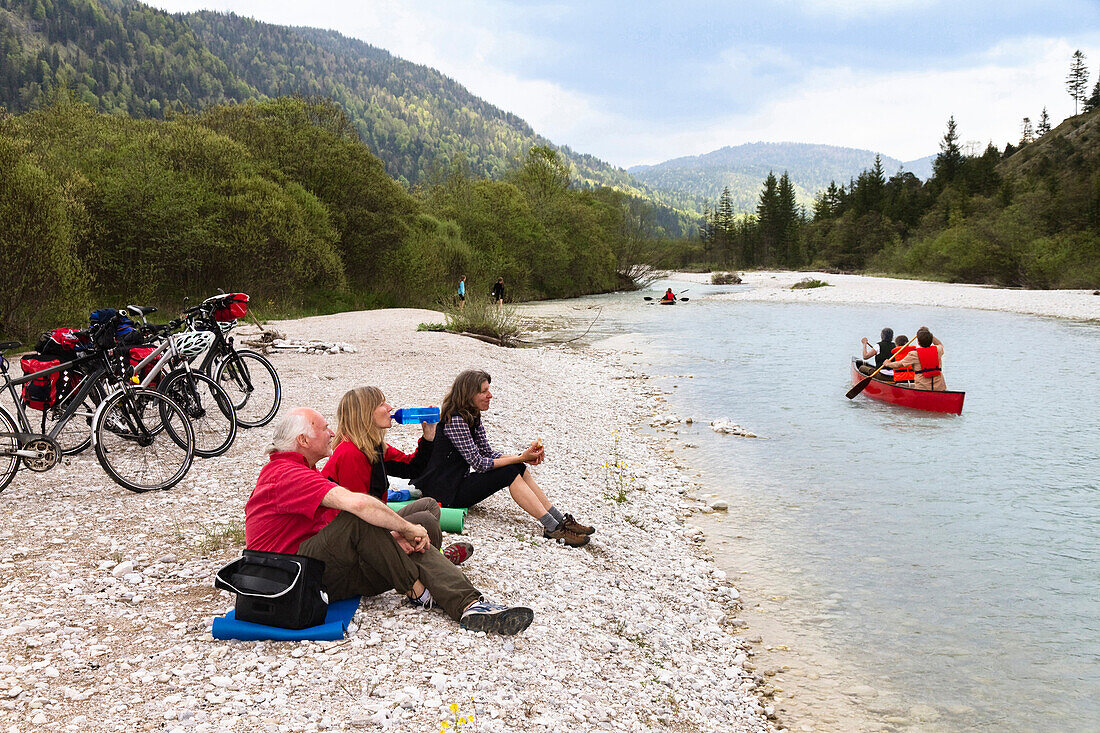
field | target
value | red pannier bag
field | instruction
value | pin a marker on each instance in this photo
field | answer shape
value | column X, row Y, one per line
column 62, row 343
column 40, row 393
column 233, row 307
column 137, row 354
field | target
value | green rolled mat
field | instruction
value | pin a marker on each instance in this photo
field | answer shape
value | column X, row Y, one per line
column 450, row 520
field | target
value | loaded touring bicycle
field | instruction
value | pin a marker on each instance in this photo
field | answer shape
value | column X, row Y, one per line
column 142, row 438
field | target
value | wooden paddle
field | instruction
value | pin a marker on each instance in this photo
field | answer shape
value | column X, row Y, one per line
column 862, row 384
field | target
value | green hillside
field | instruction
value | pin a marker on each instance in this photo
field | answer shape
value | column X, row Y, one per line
column 120, row 56
column 742, row 168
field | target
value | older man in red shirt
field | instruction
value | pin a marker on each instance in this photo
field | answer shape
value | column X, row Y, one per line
column 367, row 548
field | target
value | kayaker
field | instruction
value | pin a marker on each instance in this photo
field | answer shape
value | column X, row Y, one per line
column 902, row 375
column 884, row 348
column 926, row 361
column 669, row 295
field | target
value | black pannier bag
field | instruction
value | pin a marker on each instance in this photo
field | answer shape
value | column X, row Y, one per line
column 276, row 589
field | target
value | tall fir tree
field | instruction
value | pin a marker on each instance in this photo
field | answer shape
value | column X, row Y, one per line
column 1077, row 81
column 767, row 214
column 786, row 225
column 1027, row 134
column 1093, row 102
column 1044, row 124
column 946, row 165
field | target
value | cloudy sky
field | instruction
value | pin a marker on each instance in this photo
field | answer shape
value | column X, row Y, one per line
column 641, row 82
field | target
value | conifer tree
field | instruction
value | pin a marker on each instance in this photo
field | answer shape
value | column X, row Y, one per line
column 1026, row 133
column 767, row 214
column 1044, row 123
column 1077, row 81
column 1093, row 101
column 946, row 165
column 786, row 225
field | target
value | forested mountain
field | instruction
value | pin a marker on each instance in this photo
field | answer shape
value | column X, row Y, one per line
column 741, row 168
column 122, row 56
column 1027, row 216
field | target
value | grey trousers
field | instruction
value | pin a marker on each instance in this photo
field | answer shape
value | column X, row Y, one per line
column 362, row 559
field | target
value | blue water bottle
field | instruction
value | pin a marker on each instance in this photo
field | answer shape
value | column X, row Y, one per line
column 416, row 415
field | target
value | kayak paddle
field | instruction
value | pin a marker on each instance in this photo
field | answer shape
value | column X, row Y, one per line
column 862, row 384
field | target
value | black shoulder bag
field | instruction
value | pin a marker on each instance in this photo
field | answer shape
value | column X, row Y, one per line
column 276, row 589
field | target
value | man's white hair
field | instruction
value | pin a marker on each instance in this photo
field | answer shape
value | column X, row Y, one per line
column 288, row 428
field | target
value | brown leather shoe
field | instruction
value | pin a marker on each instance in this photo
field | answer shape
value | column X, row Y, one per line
column 574, row 526
column 566, row 536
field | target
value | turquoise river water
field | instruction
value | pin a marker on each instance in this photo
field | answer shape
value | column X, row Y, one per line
column 954, row 560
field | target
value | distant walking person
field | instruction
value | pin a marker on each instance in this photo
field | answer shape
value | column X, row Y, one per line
column 462, row 293
column 498, row 293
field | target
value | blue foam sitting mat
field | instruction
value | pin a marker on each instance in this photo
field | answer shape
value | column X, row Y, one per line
column 336, row 623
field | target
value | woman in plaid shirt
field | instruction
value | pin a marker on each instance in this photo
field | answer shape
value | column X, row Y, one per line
column 464, row 469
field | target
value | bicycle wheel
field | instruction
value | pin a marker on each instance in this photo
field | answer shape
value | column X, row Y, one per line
column 207, row 406
column 9, row 462
column 253, row 387
column 134, row 447
column 75, row 434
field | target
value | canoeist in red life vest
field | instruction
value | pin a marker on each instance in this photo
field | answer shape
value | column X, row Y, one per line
column 902, row 375
column 669, row 295
column 926, row 362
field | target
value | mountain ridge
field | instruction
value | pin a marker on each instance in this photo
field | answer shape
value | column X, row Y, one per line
column 811, row 166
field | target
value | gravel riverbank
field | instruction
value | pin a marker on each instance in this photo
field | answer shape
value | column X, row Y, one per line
column 776, row 287
column 107, row 595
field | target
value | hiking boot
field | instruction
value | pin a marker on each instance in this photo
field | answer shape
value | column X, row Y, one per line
column 458, row 553
column 566, row 536
column 494, row 618
column 576, row 527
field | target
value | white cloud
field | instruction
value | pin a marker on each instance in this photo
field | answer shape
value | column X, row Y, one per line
column 899, row 114
column 858, row 8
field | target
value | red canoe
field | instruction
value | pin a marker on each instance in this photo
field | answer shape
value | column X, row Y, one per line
column 918, row 399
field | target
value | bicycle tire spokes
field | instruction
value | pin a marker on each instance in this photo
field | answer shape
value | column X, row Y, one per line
column 143, row 440
column 253, row 387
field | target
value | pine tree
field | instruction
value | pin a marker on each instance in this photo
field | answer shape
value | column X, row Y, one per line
column 1093, row 102
column 1044, row 123
column 1026, row 133
column 1077, row 81
column 946, row 165
column 786, row 225
column 767, row 214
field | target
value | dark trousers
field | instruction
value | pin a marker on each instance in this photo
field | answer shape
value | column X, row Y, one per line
column 476, row 487
column 362, row 559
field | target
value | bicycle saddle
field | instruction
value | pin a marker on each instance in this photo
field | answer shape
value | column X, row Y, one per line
column 141, row 310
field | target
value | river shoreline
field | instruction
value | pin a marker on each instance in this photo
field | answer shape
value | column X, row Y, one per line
column 775, row 286
column 108, row 595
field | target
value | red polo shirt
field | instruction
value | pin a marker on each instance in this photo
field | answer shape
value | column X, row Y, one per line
column 285, row 507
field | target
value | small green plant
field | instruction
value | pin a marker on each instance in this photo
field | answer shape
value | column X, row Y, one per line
column 809, row 282
column 616, row 479
column 483, row 318
column 431, row 327
column 217, row 537
column 456, row 723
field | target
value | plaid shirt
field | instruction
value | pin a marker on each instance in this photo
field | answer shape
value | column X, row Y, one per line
column 474, row 446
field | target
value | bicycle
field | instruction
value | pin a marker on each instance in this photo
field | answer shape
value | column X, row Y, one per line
column 206, row 404
column 127, row 426
column 247, row 376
